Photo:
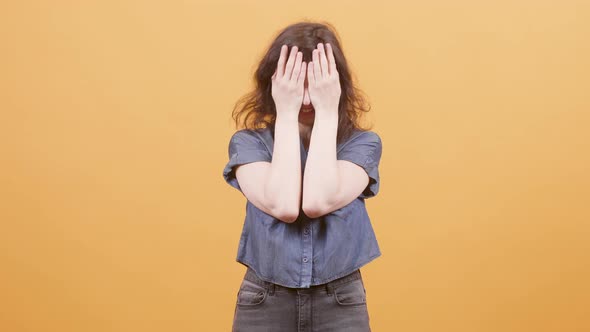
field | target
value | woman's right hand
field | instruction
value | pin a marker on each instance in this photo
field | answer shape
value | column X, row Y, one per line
column 287, row 82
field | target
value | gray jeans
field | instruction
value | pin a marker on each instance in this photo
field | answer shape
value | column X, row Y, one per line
column 339, row 305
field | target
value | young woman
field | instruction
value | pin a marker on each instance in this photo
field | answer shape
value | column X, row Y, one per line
column 306, row 168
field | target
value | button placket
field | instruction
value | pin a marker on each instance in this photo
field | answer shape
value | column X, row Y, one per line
column 306, row 255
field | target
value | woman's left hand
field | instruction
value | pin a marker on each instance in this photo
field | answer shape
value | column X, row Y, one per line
column 323, row 81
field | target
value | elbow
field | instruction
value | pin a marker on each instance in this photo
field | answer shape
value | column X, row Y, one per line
column 313, row 213
column 283, row 210
column 286, row 215
column 289, row 216
column 313, row 210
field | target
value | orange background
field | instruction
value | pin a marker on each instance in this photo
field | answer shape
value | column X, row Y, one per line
column 115, row 121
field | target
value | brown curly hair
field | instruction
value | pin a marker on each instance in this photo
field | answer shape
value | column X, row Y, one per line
column 257, row 109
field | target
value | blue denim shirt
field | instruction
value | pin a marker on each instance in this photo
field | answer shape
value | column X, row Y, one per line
column 309, row 251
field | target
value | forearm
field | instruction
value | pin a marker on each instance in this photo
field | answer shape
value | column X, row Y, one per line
column 320, row 180
column 283, row 185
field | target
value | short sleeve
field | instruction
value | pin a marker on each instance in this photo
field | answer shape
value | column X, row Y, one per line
column 244, row 147
column 365, row 151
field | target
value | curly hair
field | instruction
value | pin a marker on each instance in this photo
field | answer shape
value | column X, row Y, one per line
column 257, row 109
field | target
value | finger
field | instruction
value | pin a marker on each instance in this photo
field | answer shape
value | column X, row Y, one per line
column 281, row 62
column 297, row 66
column 331, row 59
column 301, row 78
column 317, row 70
column 274, row 75
column 323, row 60
column 289, row 67
column 310, row 75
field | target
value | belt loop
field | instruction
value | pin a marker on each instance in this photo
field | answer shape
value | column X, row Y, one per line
column 329, row 288
column 271, row 288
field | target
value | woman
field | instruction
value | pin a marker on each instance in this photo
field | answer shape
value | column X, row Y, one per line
column 306, row 168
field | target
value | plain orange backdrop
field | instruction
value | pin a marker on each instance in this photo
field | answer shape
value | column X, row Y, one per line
column 115, row 122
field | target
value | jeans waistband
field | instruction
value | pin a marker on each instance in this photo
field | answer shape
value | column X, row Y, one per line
column 329, row 286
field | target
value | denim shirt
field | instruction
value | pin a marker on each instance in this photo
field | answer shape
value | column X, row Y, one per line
column 309, row 251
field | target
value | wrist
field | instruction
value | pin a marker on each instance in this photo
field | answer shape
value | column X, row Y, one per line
column 326, row 115
column 287, row 116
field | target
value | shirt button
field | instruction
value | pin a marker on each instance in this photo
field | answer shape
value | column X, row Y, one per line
column 306, row 231
column 305, row 259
